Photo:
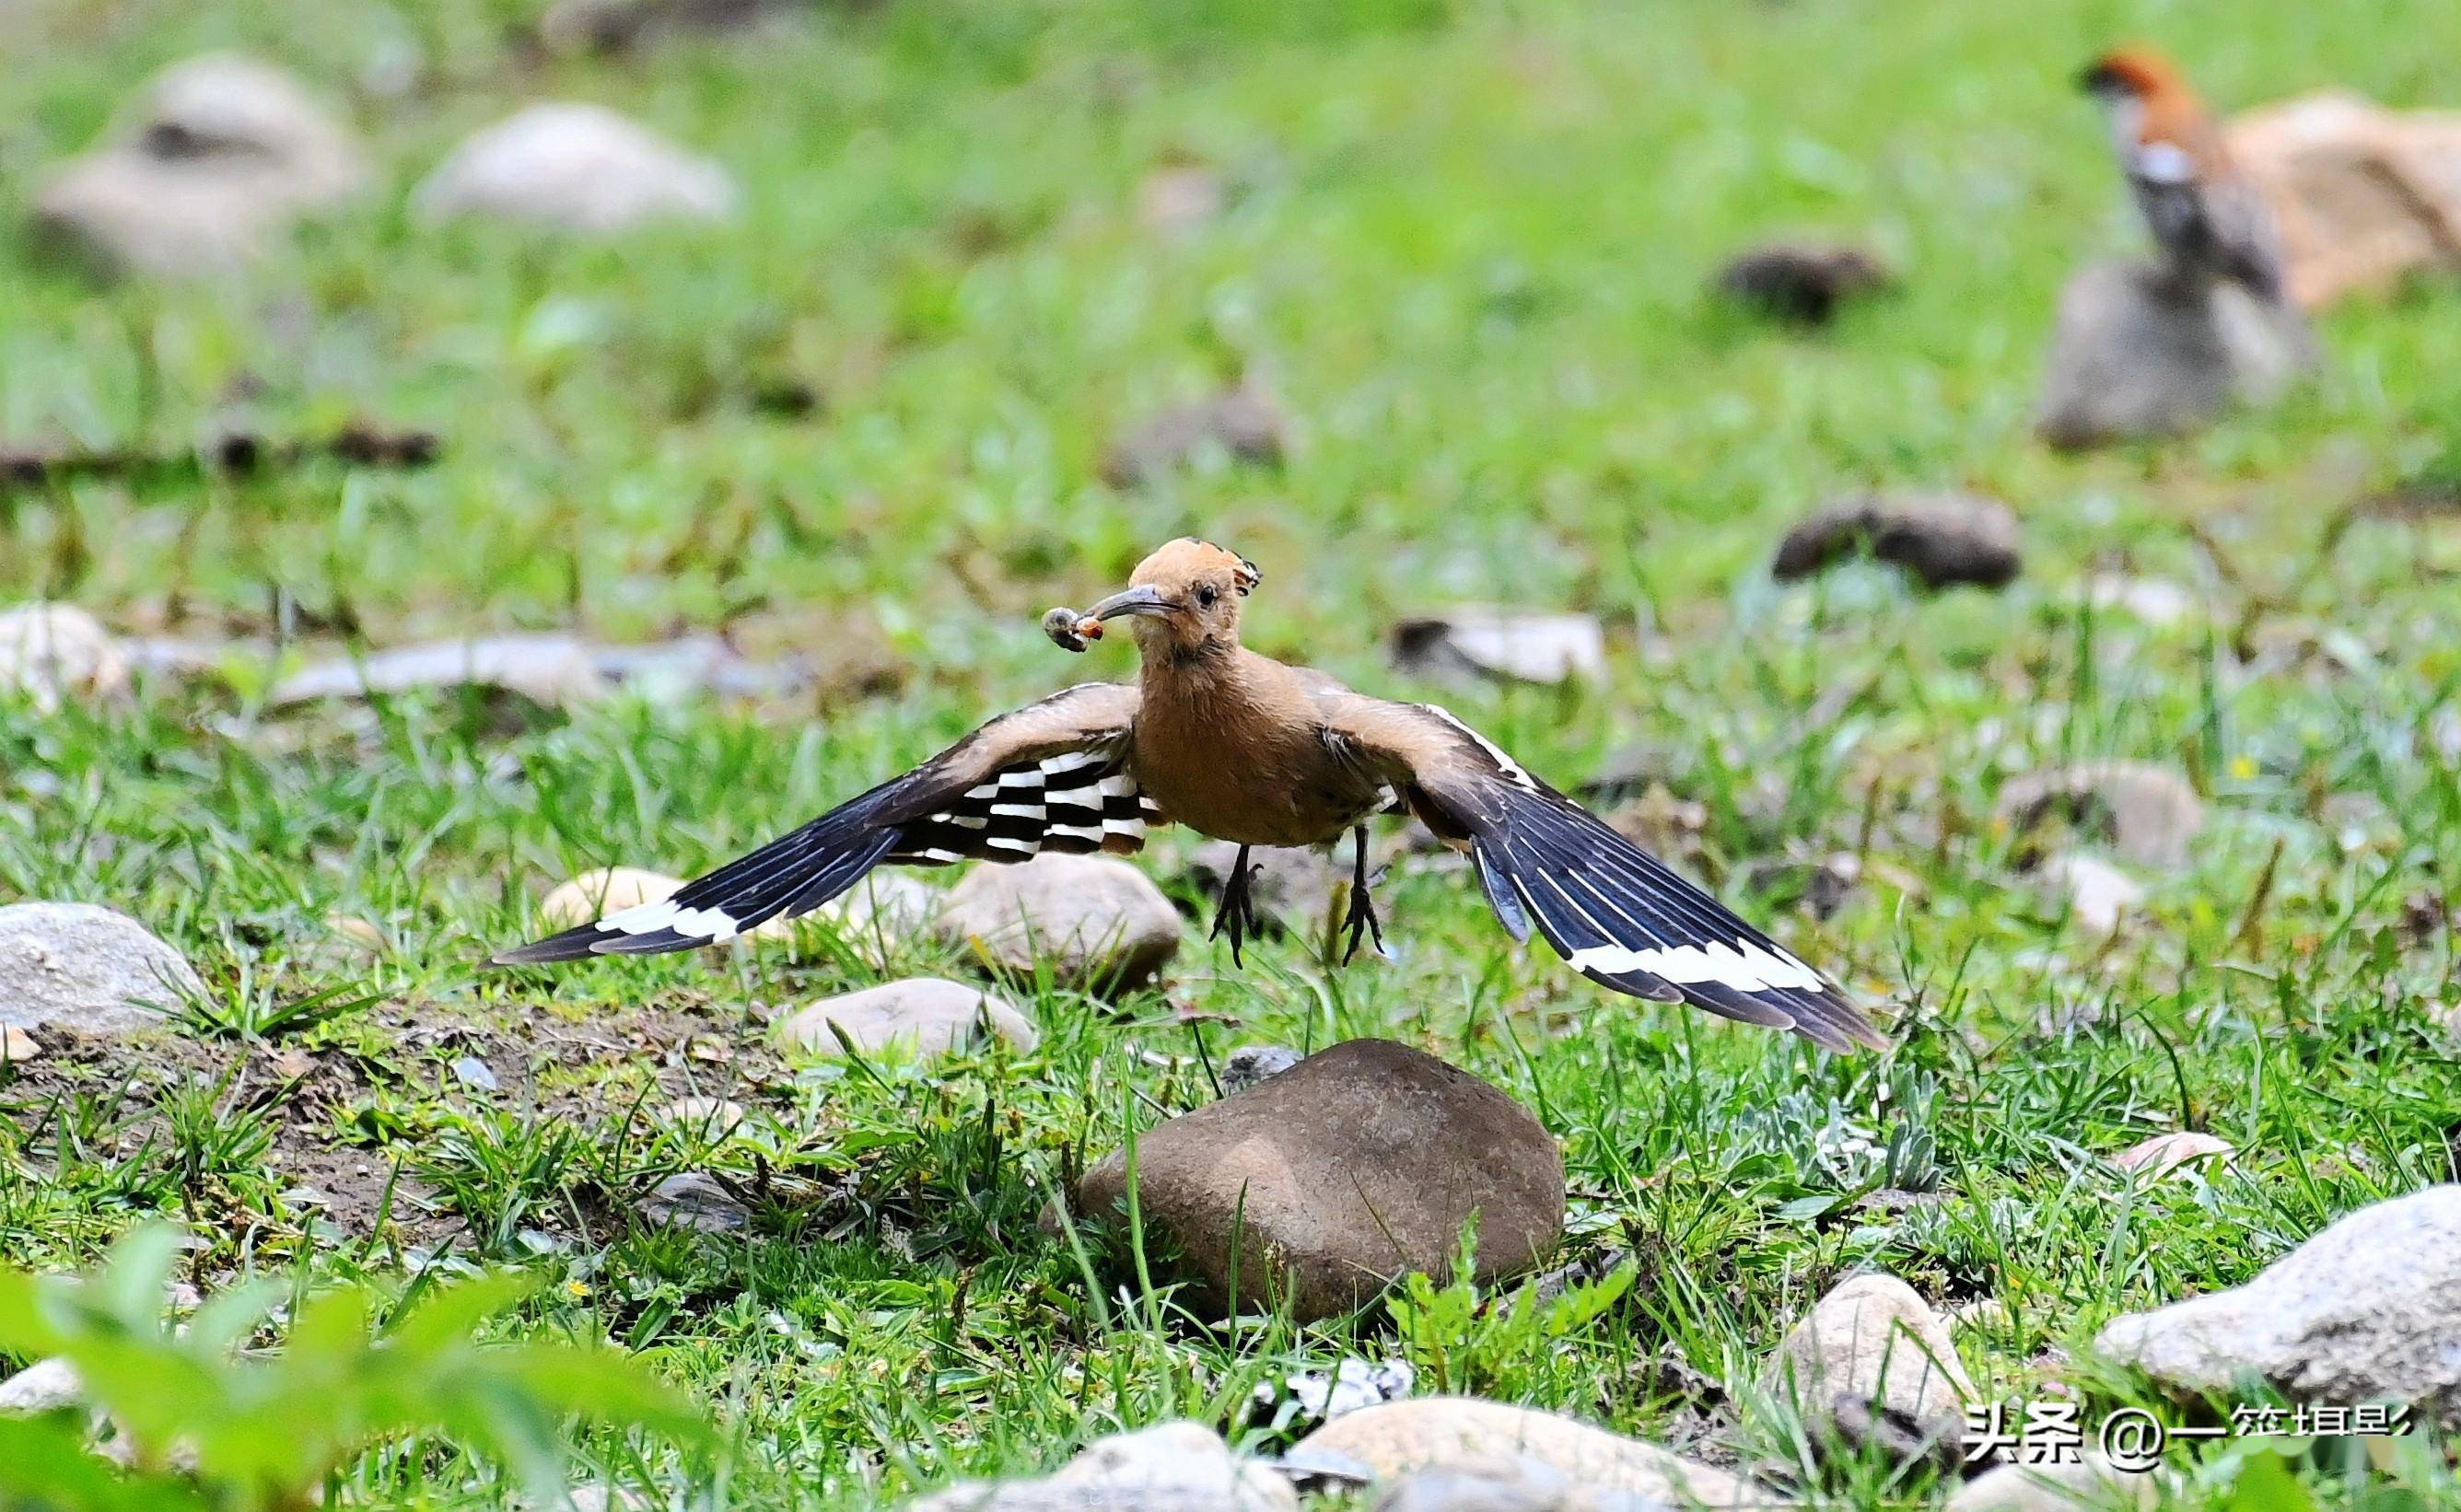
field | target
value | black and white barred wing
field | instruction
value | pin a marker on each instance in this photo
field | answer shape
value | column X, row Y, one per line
column 1051, row 777
column 1616, row 913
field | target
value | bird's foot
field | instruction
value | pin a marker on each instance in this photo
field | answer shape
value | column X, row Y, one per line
column 1238, row 911
column 1361, row 919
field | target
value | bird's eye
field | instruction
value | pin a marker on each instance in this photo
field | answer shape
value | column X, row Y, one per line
column 1206, row 595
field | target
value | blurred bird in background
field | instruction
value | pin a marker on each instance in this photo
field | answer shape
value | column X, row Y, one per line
column 2209, row 220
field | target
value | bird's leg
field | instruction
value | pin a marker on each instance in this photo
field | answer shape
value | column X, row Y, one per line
column 1237, row 912
column 1362, row 919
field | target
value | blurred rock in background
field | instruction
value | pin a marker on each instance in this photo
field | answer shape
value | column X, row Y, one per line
column 2365, row 197
column 577, row 168
column 2141, row 351
column 215, row 159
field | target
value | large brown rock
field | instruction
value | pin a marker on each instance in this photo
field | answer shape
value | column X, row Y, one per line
column 1093, row 921
column 1321, row 1185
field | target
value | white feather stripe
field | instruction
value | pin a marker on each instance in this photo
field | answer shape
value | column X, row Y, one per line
column 1780, row 969
column 1092, row 832
column 1125, row 828
column 1118, row 784
column 1021, row 848
column 2165, row 163
column 984, row 791
column 1755, row 971
column 708, row 923
column 649, row 918
column 642, row 918
column 1072, row 760
column 1032, row 811
column 1026, row 777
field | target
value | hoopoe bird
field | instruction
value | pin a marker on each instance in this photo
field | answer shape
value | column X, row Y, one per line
column 2209, row 222
column 1242, row 748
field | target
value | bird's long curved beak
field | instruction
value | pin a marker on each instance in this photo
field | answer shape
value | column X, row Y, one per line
column 1147, row 601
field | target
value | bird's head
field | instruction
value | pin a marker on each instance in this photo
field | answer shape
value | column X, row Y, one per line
column 2133, row 75
column 1184, row 599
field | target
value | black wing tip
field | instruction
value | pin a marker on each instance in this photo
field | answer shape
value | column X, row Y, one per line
column 572, row 944
column 1829, row 1020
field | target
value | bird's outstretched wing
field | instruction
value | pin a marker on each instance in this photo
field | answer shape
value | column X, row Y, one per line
column 1050, row 777
column 1612, row 909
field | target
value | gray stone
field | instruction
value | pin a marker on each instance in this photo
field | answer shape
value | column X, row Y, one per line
column 2166, row 1152
column 50, row 652
column 1249, row 1064
column 2156, row 602
column 2150, row 815
column 690, row 1200
column 1361, row 1163
column 1465, row 1434
column 576, row 168
column 1243, row 424
column 1872, row 1363
column 87, row 969
column 2090, row 1484
column 2142, row 352
column 710, row 1117
column 1476, row 643
column 923, row 1017
column 1803, row 282
column 1515, row 1484
column 615, row 25
column 556, row 671
column 882, row 912
column 42, row 1386
column 2096, row 893
column 1093, row 921
column 2364, row 1311
column 1170, row 1467
column 1180, row 197
column 1943, row 539
column 17, row 1047
column 219, row 157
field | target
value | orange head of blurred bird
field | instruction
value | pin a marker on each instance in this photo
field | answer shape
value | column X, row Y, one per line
column 2209, row 220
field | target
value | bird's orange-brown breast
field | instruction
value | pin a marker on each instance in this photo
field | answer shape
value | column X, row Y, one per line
column 1234, row 752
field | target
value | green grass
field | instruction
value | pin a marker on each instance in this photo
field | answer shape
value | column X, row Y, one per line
column 1467, row 246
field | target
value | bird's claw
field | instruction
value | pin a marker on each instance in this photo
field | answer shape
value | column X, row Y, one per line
column 1361, row 919
column 1238, row 911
